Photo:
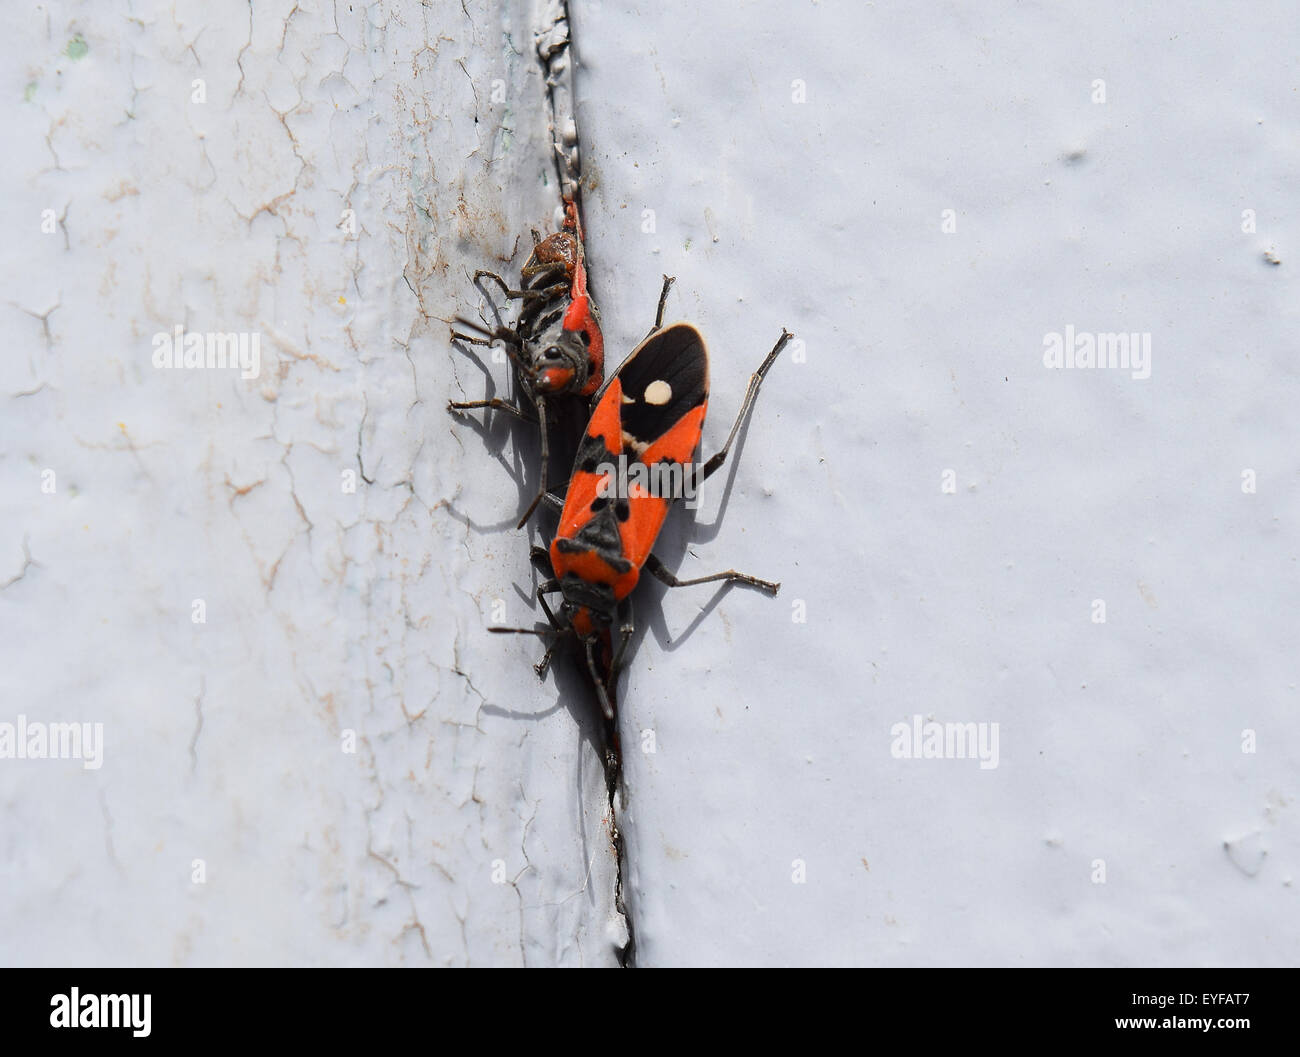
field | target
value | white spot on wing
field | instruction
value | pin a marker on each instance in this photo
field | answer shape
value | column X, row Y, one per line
column 658, row 393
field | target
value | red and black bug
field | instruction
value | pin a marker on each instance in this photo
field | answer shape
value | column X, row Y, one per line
column 650, row 414
column 556, row 342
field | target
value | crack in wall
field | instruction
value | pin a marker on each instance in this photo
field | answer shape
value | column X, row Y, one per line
column 198, row 724
column 325, row 490
column 553, row 41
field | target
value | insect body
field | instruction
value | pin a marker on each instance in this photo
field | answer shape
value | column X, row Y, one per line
column 648, row 416
column 559, row 318
column 556, row 343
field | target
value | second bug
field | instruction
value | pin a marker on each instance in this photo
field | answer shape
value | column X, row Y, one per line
column 555, row 343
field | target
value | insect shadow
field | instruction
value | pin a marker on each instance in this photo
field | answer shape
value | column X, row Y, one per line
column 495, row 427
column 682, row 529
column 575, row 694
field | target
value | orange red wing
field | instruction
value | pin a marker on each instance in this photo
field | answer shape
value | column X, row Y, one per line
column 651, row 413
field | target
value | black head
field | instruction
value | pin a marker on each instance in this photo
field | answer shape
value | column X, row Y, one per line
column 561, row 366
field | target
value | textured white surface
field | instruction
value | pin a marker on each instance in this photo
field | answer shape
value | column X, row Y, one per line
column 1119, row 741
column 329, row 611
column 325, row 611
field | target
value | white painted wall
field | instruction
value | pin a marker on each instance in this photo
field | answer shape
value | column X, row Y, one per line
column 1120, row 741
column 325, row 611
column 328, row 611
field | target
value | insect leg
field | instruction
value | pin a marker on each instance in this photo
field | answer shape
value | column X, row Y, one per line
column 657, row 570
column 663, row 298
column 511, row 295
column 543, row 589
column 545, row 294
column 555, row 502
column 469, row 339
column 750, row 394
column 601, row 692
column 553, row 271
column 540, row 403
column 495, row 403
column 548, row 587
column 626, row 628
column 486, row 335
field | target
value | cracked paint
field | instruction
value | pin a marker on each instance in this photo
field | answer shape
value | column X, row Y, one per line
column 339, row 740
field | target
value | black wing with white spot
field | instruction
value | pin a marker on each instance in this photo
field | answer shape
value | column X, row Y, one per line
column 666, row 376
